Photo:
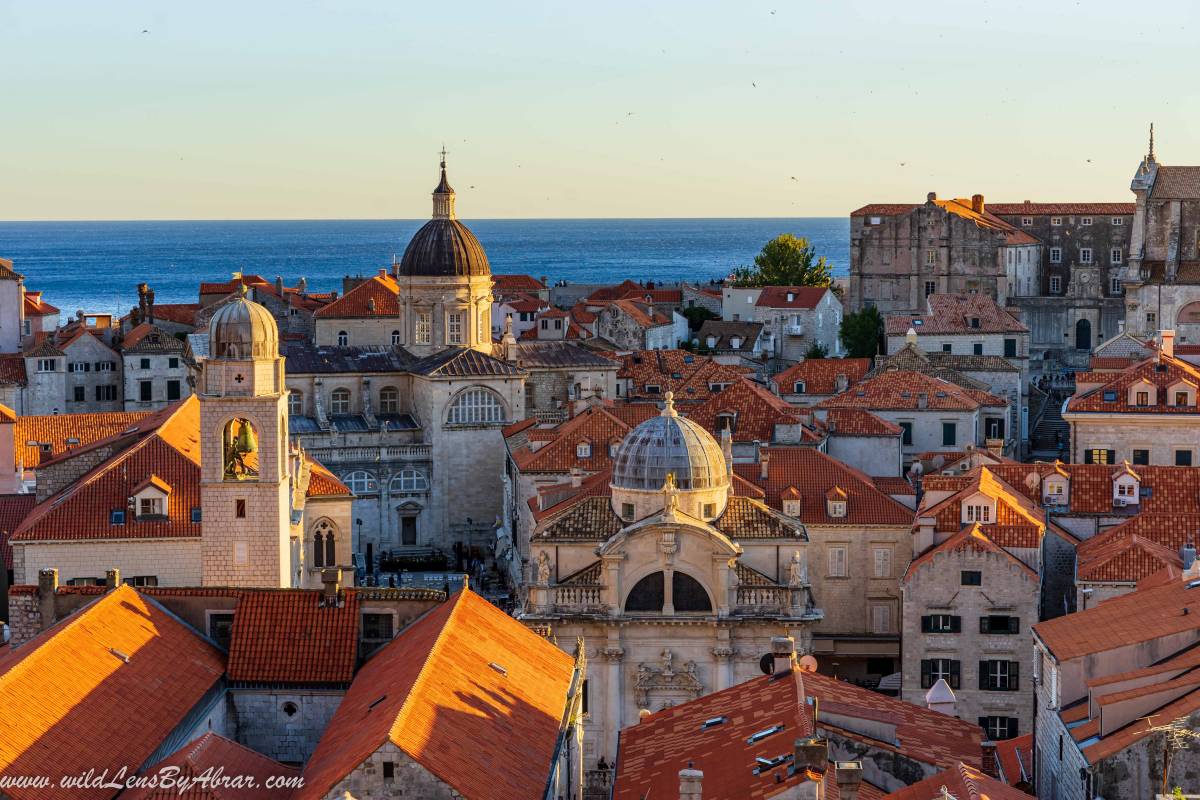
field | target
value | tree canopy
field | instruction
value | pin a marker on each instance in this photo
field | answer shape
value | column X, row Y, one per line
column 861, row 332
column 786, row 260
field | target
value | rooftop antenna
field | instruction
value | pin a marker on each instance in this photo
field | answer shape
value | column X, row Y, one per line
column 1177, row 736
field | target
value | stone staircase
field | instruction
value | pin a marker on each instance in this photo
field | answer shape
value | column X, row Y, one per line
column 1051, row 429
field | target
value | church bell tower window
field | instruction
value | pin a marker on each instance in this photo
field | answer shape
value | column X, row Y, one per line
column 240, row 448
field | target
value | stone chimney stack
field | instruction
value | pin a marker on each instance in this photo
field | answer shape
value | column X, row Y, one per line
column 911, row 336
column 1187, row 554
column 931, row 197
column 691, row 783
column 112, row 579
column 940, row 698
column 811, row 754
column 576, row 477
column 977, row 203
column 279, row 284
column 783, row 654
column 1168, row 343
column 922, row 400
column 331, row 587
column 849, row 779
column 47, row 586
column 764, row 463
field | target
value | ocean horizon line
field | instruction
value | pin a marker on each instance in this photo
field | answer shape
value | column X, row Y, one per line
column 403, row 219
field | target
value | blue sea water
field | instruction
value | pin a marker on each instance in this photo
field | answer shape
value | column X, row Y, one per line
column 97, row 265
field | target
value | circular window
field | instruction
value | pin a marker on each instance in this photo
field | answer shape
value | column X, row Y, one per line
column 290, row 709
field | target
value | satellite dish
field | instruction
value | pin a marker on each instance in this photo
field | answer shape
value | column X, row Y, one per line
column 767, row 664
column 1032, row 480
column 808, row 664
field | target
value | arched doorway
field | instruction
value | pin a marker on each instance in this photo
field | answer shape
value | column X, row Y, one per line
column 1083, row 335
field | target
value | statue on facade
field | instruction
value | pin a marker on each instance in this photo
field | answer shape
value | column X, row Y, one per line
column 797, row 571
column 543, row 569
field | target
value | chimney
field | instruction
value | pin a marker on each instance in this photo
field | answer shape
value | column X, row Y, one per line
column 940, row 698
column 922, row 400
column 811, row 754
column 764, row 462
column 911, row 335
column 112, row 579
column 576, row 477
column 842, row 382
column 47, row 586
column 977, row 203
column 849, row 778
column 1168, row 343
column 783, row 654
column 331, row 586
column 279, row 284
column 642, row 714
column 691, row 783
column 931, row 197
column 1187, row 554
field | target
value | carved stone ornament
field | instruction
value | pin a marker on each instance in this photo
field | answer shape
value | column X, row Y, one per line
column 663, row 685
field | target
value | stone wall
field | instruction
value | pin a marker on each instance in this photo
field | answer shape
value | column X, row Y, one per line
column 90, row 351
column 24, row 615
column 55, row 477
column 175, row 562
column 409, row 779
column 281, row 724
column 1162, row 434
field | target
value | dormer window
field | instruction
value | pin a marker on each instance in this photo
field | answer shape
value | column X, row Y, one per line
column 727, row 421
column 150, row 498
column 1126, row 487
column 612, row 448
column 978, row 512
column 583, row 450
column 798, row 387
column 1143, row 393
column 837, row 508
column 1181, row 393
column 835, row 502
column 710, row 342
column 735, row 343
column 1055, row 491
column 791, row 296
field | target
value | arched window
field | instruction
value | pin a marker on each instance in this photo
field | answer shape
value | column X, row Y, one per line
column 476, row 406
column 687, row 594
column 343, row 338
column 409, row 480
column 325, row 545
column 647, row 594
column 361, row 482
column 296, row 403
column 318, row 549
column 389, row 400
column 395, row 338
column 339, row 401
column 240, row 449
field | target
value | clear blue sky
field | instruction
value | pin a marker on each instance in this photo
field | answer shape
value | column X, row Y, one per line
column 579, row 109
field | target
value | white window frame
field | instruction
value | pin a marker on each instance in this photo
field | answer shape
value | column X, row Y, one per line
column 475, row 406
column 454, row 328
column 931, row 257
column 1055, row 284
column 837, row 557
column 882, row 560
column 583, row 450
column 1055, row 255
column 1116, row 256
column 389, row 400
column 1114, row 286
column 1056, row 221
column 339, row 401
column 1085, row 255
column 1026, row 222
column 343, row 338
column 409, row 481
column 361, row 482
column 881, row 618
column 295, row 403
column 1085, row 221
column 423, row 328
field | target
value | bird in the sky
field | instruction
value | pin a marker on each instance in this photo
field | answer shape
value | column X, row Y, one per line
column 755, row 85
column 145, row 31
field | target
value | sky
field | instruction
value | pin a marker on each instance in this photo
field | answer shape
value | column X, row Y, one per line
column 307, row 110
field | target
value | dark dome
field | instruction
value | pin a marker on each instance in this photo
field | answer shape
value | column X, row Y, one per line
column 444, row 248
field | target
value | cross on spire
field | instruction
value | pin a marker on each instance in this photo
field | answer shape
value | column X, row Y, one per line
column 443, row 152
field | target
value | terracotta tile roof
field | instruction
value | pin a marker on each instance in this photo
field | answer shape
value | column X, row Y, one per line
column 696, row 375
column 1140, row 616
column 230, row 286
column 12, row 370
column 1019, row 521
column 147, row 338
column 1176, row 183
column 7, row 414
column 1111, row 363
column 324, row 483
column 1065, row 209
column 42, row 346
column 802, row 296
column 206, row 755
column 288, row 637
column 435, row 692
column 99, row 691
column 820, row 375
column 906, row 390
column 525, row 303
column 652, row 752
column 179, row 313
column 883, row 210
column 1014, row 757
column 35, row 306
column 607, row 294
column 658, row 296
column 894, row 486
column 858, row 422
column 1162, row 373
column 169, row 449
column 963, row 783
column 758, row 413
column 969, row 539
column 642, row 314
column 588, row 517
column 1165, row 490
column 953, row 314
column 960, row 207
column 594, row 426
column 511, row 284
column 1137, row 548
column 13, row 510
column 55, row 429
column 813, row 473
column 723, row 333
column 378, row 296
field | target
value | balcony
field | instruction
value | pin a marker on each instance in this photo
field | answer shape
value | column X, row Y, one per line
column 762, row 600
column 793, row 330
column 578, row 598
column 597, row 784
column 402, row 452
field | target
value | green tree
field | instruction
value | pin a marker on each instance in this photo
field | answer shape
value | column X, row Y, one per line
column 861, row 332
column 786, row 260
column 816, row 350
column 696, row 315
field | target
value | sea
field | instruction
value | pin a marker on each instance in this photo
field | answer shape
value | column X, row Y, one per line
column 96, row 266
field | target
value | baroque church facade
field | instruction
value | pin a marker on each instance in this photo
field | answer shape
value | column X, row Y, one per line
column 669, row 571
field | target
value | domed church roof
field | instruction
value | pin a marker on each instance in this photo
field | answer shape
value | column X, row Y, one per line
column 669, row 444
column 242, row 329
column 444, row 247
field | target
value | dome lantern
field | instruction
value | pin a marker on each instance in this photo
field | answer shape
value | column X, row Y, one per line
column 242, row 330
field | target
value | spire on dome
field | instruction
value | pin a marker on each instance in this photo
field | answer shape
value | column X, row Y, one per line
column 1150, row 156
column 669, row 405
column 443, row 195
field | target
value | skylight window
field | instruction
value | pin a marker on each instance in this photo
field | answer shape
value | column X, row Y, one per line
column 758, row 737
column 765, row 764
column 498, row 668
column 712, row 723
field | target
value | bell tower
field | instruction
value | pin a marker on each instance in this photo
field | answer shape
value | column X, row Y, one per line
column 245, row 496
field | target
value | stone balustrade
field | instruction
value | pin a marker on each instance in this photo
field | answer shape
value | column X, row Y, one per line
column 402, row 452
column 762, row 599
column 578, row 597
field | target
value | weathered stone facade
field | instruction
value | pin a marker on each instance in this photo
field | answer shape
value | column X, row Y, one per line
column 281, row 723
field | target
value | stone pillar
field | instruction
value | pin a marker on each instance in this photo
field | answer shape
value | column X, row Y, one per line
column 668, row 590
column 613, row 655
column 47, row 587
column 612, row 582
column 723, row 670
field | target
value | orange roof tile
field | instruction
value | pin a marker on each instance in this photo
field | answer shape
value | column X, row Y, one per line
column 12, row 370
column 652, row 752
column 594, row 426
column 463, row 674
column 970, row 539
column 820, row 375
column 1166, row 490
column 35, row 306
column 690, row 377
column 289, row 637
column 906, row 390
column 643, row 315
column 802, row 296
column 1065, row 209
column 230, row 286
column 324, row 483
column 56, row 429
column 13, row 510
column 607, row 294
column 377, row 296
column 954, row 313
column 511, row 284
column 859, row 422
column 758, row 412
column 1161, row 372
column 101, row 691
column 811, row 474
column 204, row 756
column 963, row 783
column 1015, row 759
column 1137, row 548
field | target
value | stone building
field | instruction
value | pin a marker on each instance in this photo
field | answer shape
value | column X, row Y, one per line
column 794, row 318
column 560, row 376
column 1144, row 414
column 1162, row 276
column 156, row 373
column 812, row 380
column 674, row 580
column 93, row 377
column 636, row 325
column 902, row 253
column 1110, row 680
column 207, row 491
